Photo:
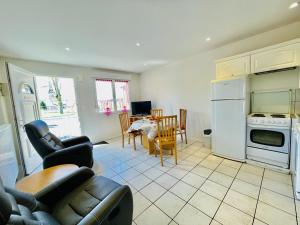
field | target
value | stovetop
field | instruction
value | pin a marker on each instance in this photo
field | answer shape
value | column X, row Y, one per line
column 270, row 115
column 269, row 119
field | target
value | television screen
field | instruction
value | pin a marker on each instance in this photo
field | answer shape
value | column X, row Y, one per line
column 141, row 108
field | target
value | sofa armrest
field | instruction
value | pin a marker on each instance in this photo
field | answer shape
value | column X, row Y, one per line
column 54, row 192
column 22, row 198
column 75, row 141
column 81, row 155
column 117, row 208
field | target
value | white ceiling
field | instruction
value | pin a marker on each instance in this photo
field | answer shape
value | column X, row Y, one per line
column 103, row 33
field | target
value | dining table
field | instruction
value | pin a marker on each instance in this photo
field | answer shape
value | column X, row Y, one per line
column 149, row 130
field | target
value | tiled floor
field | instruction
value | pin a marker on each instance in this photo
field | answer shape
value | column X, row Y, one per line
column 202, row 189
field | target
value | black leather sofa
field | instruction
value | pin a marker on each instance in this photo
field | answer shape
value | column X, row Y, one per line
column 80, row 198
column 77, row 150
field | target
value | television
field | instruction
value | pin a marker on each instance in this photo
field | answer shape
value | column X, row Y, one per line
column 141, row 108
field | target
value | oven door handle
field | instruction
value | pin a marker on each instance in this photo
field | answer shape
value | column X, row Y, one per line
column 267, row 127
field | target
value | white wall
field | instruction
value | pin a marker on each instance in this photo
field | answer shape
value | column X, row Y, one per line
column 186, row 83
column 95, row 125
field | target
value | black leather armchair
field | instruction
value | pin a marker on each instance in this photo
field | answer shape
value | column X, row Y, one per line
column 80, row 198
column 77, row 150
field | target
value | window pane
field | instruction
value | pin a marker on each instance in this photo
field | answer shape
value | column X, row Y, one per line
column 122, row 95
column 104, row 95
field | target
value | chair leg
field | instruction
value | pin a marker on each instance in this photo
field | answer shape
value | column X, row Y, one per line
column 122, row 140
column 141, row 139
column 181, row 136
column 134, row 147
column 175, row 153
column 161, row 156
column 185, row 137
column 129, row 139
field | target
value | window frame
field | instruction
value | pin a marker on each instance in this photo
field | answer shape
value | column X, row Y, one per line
column 113, row 93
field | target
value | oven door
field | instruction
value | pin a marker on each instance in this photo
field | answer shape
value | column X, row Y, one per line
column 269, row 138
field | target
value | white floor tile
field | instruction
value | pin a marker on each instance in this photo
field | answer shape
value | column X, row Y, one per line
column 221, row 178
column 170, row 204
column 276, row 176
column 202, row 171
column 231, row 163
column 277, row 200
column 241, row 202
column 193, row 180
column 228, row 215
column 178, row 173
column 191, row 216
column 278, row 187
column 215, row 223
column 245, row 188
column 256, row 170
column 205, row 203
column 216, row 190
column 249, row 178
column 271, row 215
column 152, row 216
column 129, row 174
column 227, row 170
column 258, row 222
column 142, row 167
column 210, row 164
column 166, row 180
column 139, row 182
column 153, row 173
column 153, row 191
column 140, row 203
column 183, row 190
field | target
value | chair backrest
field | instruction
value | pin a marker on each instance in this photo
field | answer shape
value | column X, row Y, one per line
column 182, row 119
column 42, row 139
column 124, row 122
column 167, row 128
column 156, row 112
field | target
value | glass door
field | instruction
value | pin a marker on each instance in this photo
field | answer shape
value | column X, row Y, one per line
column 58, row 105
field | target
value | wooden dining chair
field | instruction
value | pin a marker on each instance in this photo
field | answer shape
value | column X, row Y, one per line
column 166, row 136
column 125, row 124
column 181, row 129
column 155, row 113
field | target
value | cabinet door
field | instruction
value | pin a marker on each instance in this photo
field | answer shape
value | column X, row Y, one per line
column 234, row 67
column 277, row 58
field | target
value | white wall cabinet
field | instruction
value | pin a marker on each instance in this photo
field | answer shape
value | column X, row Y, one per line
column 233, row 67
column 277, row 58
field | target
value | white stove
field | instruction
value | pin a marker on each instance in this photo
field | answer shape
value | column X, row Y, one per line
column 268, row 138
column 270, row 119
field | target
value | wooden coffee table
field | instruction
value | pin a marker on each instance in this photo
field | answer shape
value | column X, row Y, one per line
column 38, row 181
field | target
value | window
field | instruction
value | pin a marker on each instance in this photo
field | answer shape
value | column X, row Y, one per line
column 112, row 95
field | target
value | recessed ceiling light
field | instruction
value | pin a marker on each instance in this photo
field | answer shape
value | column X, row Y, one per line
column 294, row 5
column 145, row 64
column 67, row 49
column 138, row 44
column 207, row 39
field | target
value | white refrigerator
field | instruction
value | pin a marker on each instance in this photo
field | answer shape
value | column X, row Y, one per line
column 230, row 107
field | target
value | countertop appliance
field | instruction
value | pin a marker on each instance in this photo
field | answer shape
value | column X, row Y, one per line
column 268, row 138
column 230, row 106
